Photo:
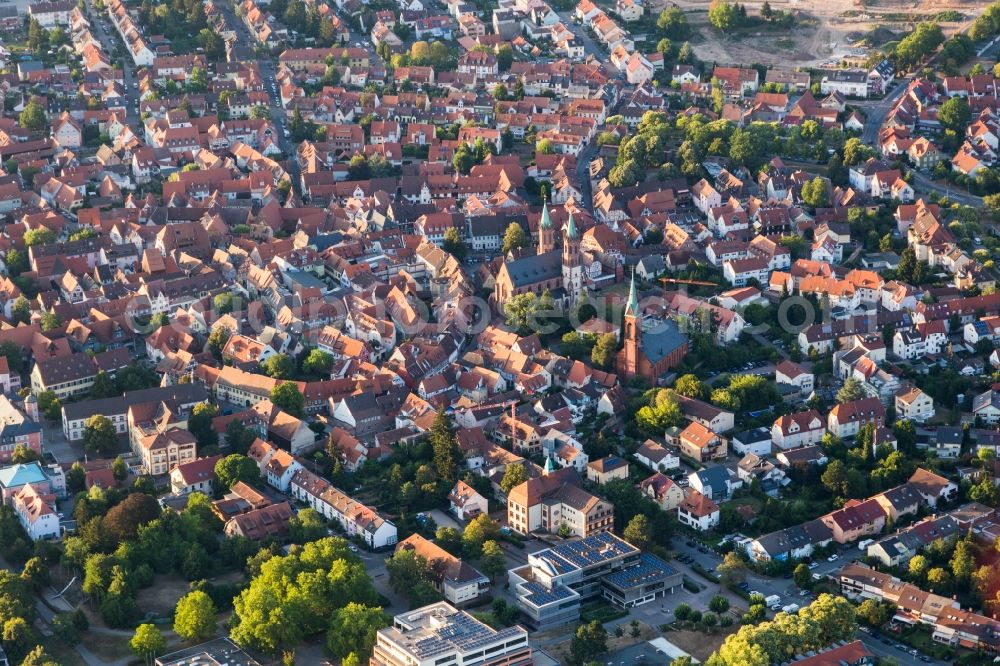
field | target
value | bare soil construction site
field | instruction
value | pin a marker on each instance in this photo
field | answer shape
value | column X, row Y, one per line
column 825, row 33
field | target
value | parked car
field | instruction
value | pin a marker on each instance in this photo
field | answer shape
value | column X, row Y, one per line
column 833, row 558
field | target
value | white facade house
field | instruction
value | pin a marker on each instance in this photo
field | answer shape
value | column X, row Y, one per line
column 465, row 502
column 913, row 404
column 796, row 430
column 36, row 512
column 356, row 519
column 657, row 457
column 848, row 82
column 698, row 512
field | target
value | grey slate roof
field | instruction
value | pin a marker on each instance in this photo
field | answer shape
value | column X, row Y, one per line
column 661, row 340
column 535, row 268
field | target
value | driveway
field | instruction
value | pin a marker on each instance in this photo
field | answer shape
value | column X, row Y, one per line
column 54, row 442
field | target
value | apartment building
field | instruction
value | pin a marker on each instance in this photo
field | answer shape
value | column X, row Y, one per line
column 551, row 587
column 547, row 503
column 75, row 414
column 442, row 634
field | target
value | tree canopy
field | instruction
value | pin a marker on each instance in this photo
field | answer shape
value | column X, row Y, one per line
column 299, row 594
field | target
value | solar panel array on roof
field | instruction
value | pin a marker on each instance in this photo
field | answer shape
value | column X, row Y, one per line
column 459, row 630
column 539, row 595
column 648, row 570
column 587, row 552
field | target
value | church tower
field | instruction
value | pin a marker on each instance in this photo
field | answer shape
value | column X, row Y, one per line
column 628, row 357
column 571, row 264
column 546, row 234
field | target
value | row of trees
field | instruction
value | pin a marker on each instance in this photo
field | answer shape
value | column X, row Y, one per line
column 727, row 17
column 826, row 620
column 918, row 45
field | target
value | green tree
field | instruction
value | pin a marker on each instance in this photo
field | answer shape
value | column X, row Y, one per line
column 639, row 532
column 856, row 152
column 200, row 424
column 410, row 575
column 49, row 405
column 673, row 23
column 661, row 412
column 279, row 366
column 454, row 245
column 307, row 525
column 50, row 321
column 493, row 562
column 513, row 476
column 104, row 386
column 33, row 119
column 723, row 16
column 76, row 478
column 286, row 395
column 296, row 595
column 17, row 262
column 815, row 194
column 38, row 37
column 18, row 637
column 918, row 566
column 963, row 563
column 938, row 580
column 732, row 570
column 235, row 468
column 99, row 436
column 318, row 363
column 872, row 613
column 353, row 630
column 223, row 303
column 194, row 617
column 521, row 311
column 515, row 238
column 445, row 447
column 40, row 236
column 850, row 391
column 23, row 454
column 590, row 640
column 21, row 310
column 119, row 469
column 801, row 575
column 603, row 354
column 718, row 604
column 477, row 532
column 148, row 642
column 690, row 386
column 954, row 114
column 239, row 438
column 450, row 539
column 217, row 340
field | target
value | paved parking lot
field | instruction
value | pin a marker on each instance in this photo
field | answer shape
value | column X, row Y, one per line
column 54, row 443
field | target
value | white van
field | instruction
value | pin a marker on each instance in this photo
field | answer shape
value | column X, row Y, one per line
column 772, row 600
column 863, row 546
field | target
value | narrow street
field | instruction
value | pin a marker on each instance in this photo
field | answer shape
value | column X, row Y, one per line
column 875, row 111
column 954, row 193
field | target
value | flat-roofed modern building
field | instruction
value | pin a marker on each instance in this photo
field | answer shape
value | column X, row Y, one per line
column 441, row 634
column 551, row 587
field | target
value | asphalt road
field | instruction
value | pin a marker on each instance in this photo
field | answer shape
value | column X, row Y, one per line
column 878, row 110
column 925, row 184
column 104, row 30
column 590, row 47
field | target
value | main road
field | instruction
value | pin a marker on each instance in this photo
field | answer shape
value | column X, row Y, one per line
column 877, row 110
